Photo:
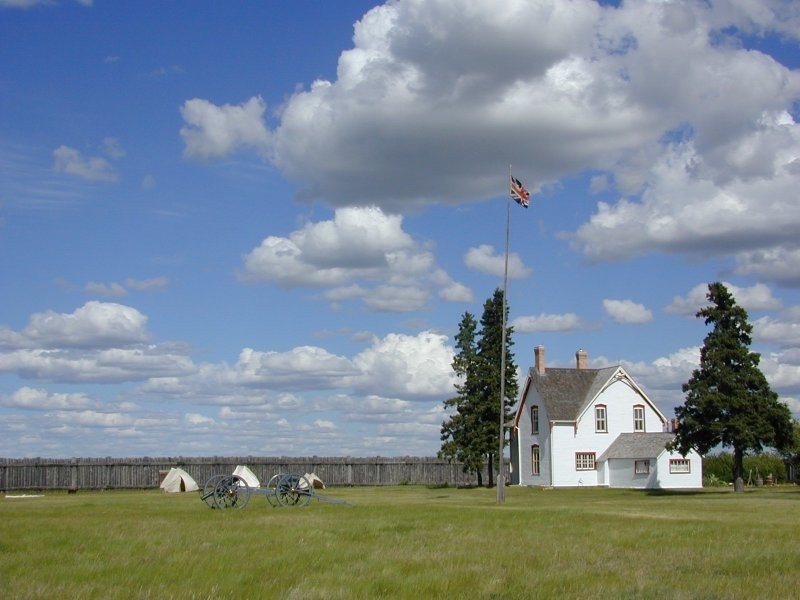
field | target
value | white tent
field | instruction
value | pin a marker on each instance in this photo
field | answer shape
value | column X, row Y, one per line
column 178, row 480
column 314, row 481
column 249, row 477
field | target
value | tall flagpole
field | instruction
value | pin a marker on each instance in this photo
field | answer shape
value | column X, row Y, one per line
column 501, row 478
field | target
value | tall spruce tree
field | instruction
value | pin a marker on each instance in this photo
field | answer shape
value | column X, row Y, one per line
column 471, row 435
column 489, row 353
column 458, row 433
column 728, row 399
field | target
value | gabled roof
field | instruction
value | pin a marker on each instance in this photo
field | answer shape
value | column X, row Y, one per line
column 637, row 445
column 566, row 392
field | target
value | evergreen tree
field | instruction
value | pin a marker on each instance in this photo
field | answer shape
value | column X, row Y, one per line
column 728, row 399
column 489, row 354
column 471, row 435
column 458, row 433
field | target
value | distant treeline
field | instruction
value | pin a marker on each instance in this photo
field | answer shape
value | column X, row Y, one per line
column 142, row 473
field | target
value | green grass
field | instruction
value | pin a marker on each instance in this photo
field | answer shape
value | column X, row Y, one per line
column 406, row 542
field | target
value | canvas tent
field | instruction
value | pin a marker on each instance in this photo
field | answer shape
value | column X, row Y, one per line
column 315, row 481
column 178, row 480
column 249, row 477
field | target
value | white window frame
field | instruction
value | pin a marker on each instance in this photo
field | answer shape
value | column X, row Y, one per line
column 601, row 418
column 680, row 466
column 638, row 418
column 585, row 461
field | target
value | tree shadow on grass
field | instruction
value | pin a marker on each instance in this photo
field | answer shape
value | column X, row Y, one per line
column 726, row 491
column 703, row 492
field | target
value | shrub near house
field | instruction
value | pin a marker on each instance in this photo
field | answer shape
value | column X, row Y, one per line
column 719, row 467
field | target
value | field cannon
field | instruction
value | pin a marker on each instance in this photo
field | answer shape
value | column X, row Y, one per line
column 284, row 489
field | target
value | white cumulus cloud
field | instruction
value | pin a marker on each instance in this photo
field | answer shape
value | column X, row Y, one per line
column 627, row 311
column 361, row 253
column 547, row 322
column 484, row 259
column 214, row 131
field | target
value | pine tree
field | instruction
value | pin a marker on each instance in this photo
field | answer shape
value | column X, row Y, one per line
column 728, row 399
column 471, row 435
column 489, row 354
column 458, row 433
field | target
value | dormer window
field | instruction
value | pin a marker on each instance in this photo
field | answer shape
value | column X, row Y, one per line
column 600, row 419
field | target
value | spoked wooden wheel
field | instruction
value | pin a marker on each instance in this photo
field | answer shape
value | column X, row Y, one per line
column 231, row 491
column 272, row 490
column 210, row 489
column 293, row 490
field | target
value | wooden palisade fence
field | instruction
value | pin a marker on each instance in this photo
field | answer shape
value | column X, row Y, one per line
column 142, row 473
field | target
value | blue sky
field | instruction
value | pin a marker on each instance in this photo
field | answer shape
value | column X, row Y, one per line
column 252, row 228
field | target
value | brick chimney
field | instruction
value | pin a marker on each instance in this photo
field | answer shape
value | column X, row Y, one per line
column 538, row 353
column 581, row 359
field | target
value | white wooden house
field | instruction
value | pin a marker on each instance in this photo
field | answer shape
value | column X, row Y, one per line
column 593, row 427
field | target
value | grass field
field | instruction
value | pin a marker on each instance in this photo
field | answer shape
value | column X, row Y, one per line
column 406, row 542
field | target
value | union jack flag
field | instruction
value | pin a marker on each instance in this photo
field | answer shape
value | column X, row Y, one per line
column 519, row 193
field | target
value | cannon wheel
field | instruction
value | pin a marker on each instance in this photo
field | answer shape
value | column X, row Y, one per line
column 208, row 494
column 231, row 491
column 293, row 490
column 272, row 490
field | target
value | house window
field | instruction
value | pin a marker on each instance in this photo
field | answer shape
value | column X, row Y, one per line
column 534, row 419
column 679, row 465
column 584, row 461
column 641, row 467
column 600, row 423
column 638, row 418
column 535, row 460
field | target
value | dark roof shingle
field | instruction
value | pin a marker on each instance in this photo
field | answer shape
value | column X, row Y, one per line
column 565, row 392
column 637, row 445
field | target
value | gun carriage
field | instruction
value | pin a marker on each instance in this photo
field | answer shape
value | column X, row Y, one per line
column 282, row 490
